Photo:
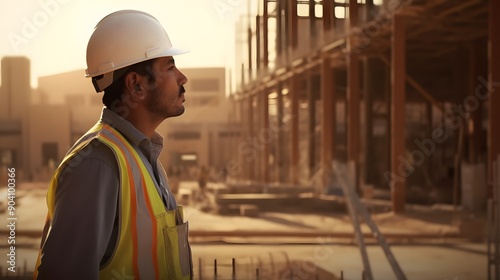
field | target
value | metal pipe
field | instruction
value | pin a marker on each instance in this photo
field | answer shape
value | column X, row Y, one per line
column 355, row 203
column 348, row 192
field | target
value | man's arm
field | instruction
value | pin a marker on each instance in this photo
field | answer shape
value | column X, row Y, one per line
column 85, row 211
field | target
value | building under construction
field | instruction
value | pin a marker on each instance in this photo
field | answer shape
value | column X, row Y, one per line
column 400, row 91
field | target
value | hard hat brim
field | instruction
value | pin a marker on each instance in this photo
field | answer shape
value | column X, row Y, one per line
column 112, row 67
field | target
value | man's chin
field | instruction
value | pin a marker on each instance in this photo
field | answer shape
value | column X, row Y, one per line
column 178, row 113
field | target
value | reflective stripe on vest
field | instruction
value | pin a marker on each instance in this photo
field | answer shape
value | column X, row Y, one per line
column 152, row 242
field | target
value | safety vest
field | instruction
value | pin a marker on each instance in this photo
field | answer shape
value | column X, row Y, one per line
column 153, row 242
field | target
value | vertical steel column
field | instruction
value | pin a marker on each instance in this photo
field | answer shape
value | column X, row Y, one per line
column 474, row 126
column 311, row 143
column 278, row 128
column 398, row 112
column 279, row 31
column 265, row 134
column 249, row 165
column 241, row 171
column 258, row 42
column 494, row 118
column 327, row 15
column 250, row 50
column 353, row 96
column 493, row 86
column 293, row 23
column 312, row 24
column 367, row 147
column 328, row 121
column 265, row 29
column 294, row 91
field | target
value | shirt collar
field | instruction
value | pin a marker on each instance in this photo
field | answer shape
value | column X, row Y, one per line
column 133, row 135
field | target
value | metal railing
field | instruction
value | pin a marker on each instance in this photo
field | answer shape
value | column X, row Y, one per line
column 19, row 273
column 275, row 265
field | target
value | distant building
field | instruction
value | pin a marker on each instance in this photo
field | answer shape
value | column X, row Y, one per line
column 202, row 135
column 15, row 99
column 38, row 126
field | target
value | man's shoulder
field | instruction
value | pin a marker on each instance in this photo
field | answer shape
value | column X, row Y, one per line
column 92, row 152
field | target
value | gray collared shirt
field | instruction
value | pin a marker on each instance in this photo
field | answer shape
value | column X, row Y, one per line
column 85, row 223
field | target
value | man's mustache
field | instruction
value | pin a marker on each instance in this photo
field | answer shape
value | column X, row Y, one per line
column 181, row 90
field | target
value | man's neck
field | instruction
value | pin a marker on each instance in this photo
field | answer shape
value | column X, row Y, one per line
column 142, row 120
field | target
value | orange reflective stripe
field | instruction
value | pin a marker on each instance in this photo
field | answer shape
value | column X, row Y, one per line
column 154, row 245
column 133, row 209
column 154, row 232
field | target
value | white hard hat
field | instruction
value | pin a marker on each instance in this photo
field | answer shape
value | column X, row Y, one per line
column 122, row 39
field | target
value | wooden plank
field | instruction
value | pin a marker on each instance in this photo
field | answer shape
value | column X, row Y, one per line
column 465, row 5
column 425, row 94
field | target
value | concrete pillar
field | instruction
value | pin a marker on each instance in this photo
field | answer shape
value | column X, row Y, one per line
column 398, row 114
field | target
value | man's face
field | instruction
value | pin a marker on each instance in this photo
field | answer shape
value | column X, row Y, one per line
column 166, row 95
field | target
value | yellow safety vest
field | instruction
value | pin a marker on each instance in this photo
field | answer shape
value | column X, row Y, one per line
column 153, row 242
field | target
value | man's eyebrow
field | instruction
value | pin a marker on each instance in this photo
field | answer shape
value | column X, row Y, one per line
column 171, row 61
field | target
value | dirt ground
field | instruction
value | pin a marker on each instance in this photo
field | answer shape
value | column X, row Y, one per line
column 420, row 238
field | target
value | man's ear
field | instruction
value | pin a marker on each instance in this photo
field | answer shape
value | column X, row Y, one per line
column 133, row 85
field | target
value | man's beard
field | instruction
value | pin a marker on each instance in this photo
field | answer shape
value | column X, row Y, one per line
column 162, row 110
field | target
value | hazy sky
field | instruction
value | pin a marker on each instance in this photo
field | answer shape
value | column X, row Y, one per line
column 54, row 33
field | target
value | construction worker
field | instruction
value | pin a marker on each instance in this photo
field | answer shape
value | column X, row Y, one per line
column 111, row 214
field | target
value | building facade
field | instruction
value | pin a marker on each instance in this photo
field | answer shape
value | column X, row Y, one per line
column 38, row 126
